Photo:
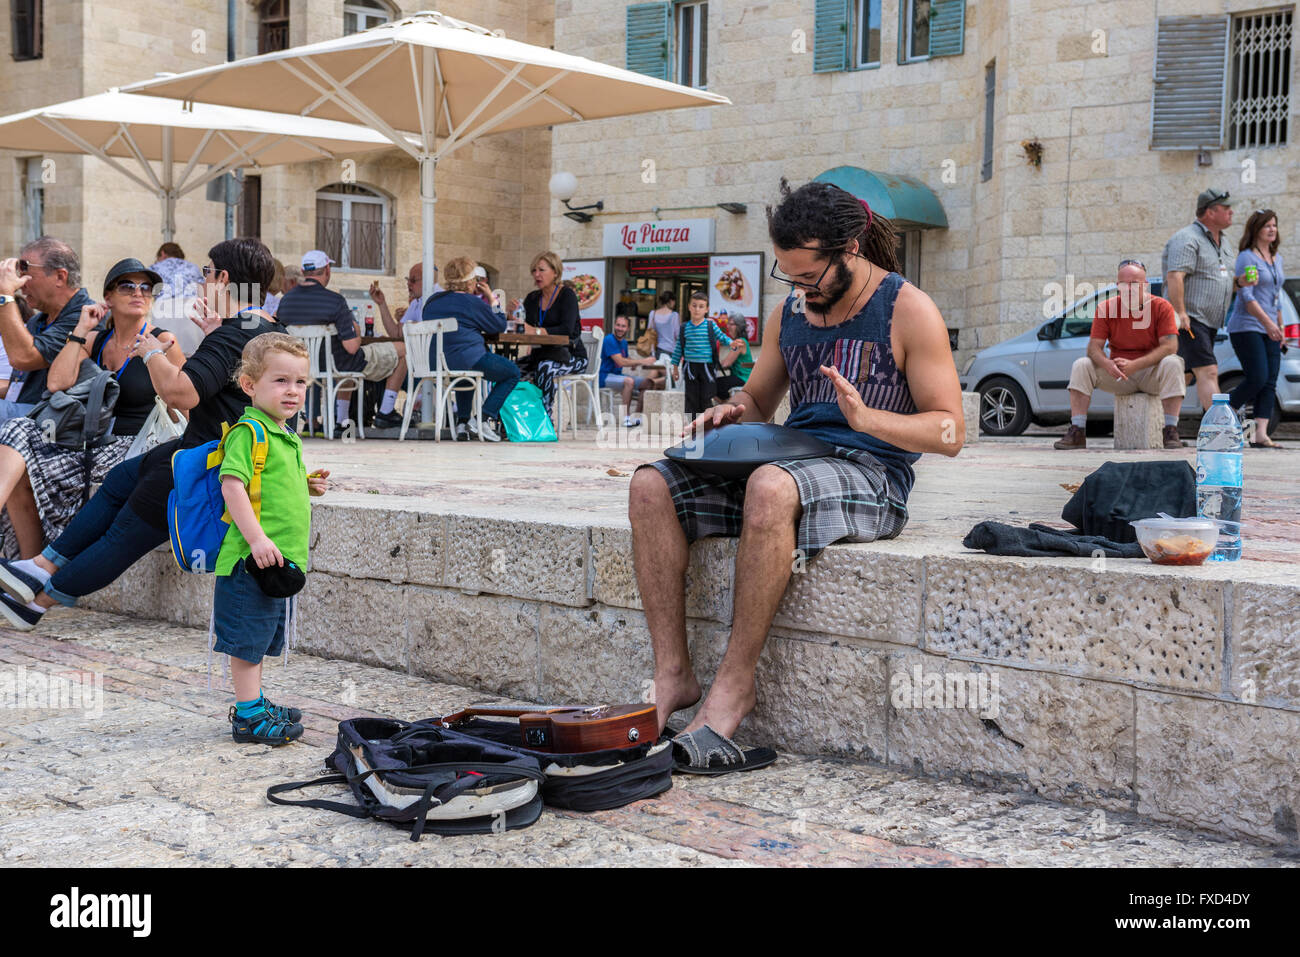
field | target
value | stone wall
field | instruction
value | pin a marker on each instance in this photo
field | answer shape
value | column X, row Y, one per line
column 492, row 194
column 1100, row 195
column 1174, row 696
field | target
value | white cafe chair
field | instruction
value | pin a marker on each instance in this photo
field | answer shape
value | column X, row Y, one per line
column 567, row 386
column 419, row 336
column 320, row 355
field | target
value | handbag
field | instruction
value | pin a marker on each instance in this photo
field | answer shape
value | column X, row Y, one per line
column 157, row 429
column 80, row 416
column 524, row 416
column 648, row 342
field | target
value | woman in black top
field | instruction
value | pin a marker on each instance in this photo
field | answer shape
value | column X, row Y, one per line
column 551, row 308
column 127, row 518
column 42, row 484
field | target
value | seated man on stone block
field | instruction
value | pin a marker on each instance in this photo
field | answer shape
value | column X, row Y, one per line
column 865, row 358
column 614, row 361
column 1142, row 331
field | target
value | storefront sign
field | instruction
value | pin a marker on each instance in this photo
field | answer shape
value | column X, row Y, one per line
column 588, row 279
column 734, row 285
column 659, row 237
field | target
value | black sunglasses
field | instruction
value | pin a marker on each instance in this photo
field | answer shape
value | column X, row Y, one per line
column 787, row 281
column 25, row 266
column 1132, row 262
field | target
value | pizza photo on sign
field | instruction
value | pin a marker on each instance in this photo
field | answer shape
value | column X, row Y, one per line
column 588, row 290
column 732, row 287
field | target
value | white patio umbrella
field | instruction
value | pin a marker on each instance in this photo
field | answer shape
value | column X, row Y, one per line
column 127, row 131
column 445, row 80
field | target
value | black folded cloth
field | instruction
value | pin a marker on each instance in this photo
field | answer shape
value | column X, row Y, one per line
column 1041, row 541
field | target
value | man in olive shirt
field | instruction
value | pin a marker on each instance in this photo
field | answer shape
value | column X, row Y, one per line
column 49, row 274
column 1197, row 266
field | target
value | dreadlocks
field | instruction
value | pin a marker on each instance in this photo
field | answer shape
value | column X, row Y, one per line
column 823, row 215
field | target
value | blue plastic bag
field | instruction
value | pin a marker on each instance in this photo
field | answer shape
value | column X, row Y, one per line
column 524, row 416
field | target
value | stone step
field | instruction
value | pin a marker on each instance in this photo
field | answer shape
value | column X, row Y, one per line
column 1174, row 693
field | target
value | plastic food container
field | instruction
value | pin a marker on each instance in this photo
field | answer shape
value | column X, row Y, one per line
column 1177, row 541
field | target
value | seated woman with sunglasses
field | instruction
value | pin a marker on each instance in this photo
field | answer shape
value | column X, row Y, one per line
column 42, row 484
column 127, row 517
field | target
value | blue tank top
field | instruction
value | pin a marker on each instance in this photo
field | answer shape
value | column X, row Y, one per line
column 861, row 350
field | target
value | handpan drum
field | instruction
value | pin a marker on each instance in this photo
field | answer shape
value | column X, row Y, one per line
column 734, row 451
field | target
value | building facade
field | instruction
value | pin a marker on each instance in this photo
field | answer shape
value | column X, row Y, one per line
column 492, row 199
column 1031, row 124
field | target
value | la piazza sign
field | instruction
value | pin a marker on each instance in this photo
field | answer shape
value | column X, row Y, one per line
column 659, row 237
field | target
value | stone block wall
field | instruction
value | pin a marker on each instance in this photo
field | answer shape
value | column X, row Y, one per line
column 1123, row 688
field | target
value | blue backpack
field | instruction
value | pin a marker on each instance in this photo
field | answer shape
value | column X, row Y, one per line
column 197, row 519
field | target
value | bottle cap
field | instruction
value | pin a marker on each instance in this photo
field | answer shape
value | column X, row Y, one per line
column 1221, row 397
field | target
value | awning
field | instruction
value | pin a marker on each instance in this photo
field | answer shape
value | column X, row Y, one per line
column 905, row 200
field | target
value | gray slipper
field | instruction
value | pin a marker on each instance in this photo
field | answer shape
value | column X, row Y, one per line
column 705, row 751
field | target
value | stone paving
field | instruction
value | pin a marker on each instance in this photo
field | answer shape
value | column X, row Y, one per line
column 155, row 780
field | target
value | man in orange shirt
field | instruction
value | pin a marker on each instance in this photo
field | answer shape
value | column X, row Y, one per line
column 1142, row 330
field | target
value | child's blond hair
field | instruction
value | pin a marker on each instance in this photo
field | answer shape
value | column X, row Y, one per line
column 253, row 361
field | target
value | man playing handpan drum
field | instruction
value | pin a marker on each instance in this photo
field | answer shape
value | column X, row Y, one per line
column 880, row 391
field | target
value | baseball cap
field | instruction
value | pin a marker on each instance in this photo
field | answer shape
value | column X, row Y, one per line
column 1211, row 197
column 480, row 272
column 316, row 259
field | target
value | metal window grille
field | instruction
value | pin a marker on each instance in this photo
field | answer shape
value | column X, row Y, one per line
column 1260, row 82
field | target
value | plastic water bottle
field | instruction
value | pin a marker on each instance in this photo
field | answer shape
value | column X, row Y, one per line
column 1218, row 476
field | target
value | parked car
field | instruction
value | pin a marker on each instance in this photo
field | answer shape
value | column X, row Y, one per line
column 1024, row 379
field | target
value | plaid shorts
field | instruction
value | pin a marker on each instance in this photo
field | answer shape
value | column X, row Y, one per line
column 849, row 496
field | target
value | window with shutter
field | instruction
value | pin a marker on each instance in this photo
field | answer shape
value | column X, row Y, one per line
column 846, row 35
column 914, row 30
column 25, row 21
column 990, row 98
column 692, row 44
column 1187, row 101
column 648, row 32
column 947, row 27
column 830, row 36
column 1260, row 83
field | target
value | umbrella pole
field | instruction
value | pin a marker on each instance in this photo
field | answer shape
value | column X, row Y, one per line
column 169, row 194
column 428, row 200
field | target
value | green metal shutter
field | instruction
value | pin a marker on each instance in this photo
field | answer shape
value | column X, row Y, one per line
column 947, row 27
column 649, row 29
column 1187, row 102
column 831, row 36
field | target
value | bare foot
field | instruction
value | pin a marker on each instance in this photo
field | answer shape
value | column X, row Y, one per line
column 724, row 709
column 671, row 695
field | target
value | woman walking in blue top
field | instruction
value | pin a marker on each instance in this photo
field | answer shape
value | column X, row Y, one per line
column 1255, row 324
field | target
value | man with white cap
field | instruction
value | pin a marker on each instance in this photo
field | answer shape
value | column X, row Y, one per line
column 311, row 303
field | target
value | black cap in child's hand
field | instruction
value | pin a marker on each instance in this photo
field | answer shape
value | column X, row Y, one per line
column 277, row 581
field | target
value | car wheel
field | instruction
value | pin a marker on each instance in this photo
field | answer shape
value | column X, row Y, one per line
column 1004, row 407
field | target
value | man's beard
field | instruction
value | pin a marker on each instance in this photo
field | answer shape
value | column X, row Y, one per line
column 832, row 294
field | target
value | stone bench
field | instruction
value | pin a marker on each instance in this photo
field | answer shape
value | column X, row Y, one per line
column 1139, row 421
column 1072, row 698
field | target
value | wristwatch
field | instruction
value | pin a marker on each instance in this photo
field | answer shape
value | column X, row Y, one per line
column 5, row 300
column 72, row 338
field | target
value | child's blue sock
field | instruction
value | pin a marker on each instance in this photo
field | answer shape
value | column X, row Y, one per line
column 246, row 709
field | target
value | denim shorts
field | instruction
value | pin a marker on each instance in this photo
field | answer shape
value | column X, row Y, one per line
column 249, row 624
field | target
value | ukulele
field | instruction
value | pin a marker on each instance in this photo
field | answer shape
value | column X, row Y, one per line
column 572, row 729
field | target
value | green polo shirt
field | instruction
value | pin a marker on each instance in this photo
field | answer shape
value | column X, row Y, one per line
column 286, row 508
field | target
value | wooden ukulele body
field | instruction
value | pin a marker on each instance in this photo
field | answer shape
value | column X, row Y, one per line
column 576, row 730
